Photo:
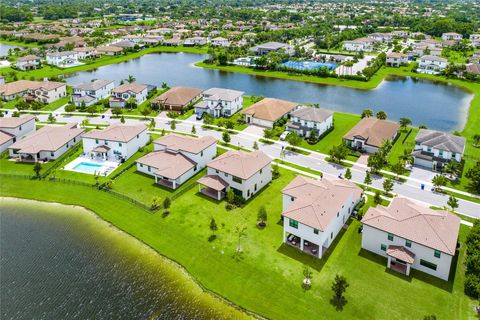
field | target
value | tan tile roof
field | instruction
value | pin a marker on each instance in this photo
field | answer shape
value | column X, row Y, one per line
column 24, row 85
column 402, row 253
column 270, row 109
column 109, row 49
column 178, row 96
column 318, row 201
column 134, row 87
column 436, row 229
column 373, row 130
column 13, row 122
column 5, row 137
column 177, row 142
column 28, row 58
column 48, row 138
column 240, row 164
column 117, row 132
column 167, row 164
column 214, row 182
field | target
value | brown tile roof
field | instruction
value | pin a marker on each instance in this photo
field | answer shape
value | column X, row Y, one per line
column 373, row 130
column 473, row 68
column 28, row 58
column 240, row 164
column 48, row 138
column 214, row 182
column 177, row 142
column 5, row 137
column 116, row 132
column 167, row 164
column 318, row 201
column 270, row 109
column 178, row 96
column 13, row 122
column 402, row 253
column 436, row 229
column 24, row 85
column 134, row 87
column 109, row 49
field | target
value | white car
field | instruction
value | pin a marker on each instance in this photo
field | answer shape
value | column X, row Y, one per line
column 284, row 135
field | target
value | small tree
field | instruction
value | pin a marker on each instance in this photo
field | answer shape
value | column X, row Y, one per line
column 173, row 124
column 226, row 137
column 476, row 139
column 230, row 196
column 387, row 185
column 368, row 179
column 377, row 161
column 262, row 217
column 348, row 174
column 339, row 287
column 152, row 124
column 208, row 118
column 37, row 168
column 268, row 134
column 439, row 181
column 474, row 175
column 338, row 153
column 398, row 168
column 70, row 107
column 167, row 202
column 275, row 171
column 382, row 115
column 377, row 199
column 255, row 145
column 155, row 203
column 452, row 203
column 307, row 274
column 241, row 233
column 404, row 122
column 213, row 228
column 122, row 119
column 92, row 109
column 51, row 118
column 194, row 130
column 130, row 79
column 294, row 139
column 367, row 113
column 146, row 111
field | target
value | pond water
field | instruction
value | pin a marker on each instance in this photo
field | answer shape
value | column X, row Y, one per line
column 60, row 262
column 4, row 49
column 437, row 105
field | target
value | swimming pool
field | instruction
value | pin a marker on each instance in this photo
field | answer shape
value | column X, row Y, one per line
column 307, row 65
column 91, row 166
column 88, row 167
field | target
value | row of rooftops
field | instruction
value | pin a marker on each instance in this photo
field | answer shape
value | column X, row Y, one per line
column 24, row 85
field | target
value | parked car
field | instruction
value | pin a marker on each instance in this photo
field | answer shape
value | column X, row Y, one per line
column 284, row 135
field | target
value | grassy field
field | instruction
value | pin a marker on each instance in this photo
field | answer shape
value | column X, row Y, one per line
column 406, row 141
column 266, row 277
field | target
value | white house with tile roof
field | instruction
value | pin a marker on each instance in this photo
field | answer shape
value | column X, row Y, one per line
column 115, row 142
column 314, row 212
column 220, row 102
column 177, row 158
column 122, row 93
column 92, row 92
column 412, row 236
column 15, row 128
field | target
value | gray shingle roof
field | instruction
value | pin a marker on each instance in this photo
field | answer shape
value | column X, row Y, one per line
column 312, row 114
column 440, row 140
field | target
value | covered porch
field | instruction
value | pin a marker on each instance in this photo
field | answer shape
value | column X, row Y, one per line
column 304, row 245
column 166, row 182
column 101, row 152
column 212, row 186
column 400, row 259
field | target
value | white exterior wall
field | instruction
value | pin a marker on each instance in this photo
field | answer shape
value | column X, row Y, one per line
column 22, row 65
column 139, row 97
column 21, row 131
column 259, row 122
column 349, row 46
column 446, row 154
column 51, row 95
column 102, row 93
column 59, row 61
column 5, row 145
column 52, row 155
column 180, row 180
column 320, row 127
column 260, row 179
column 372, row 239
column 127, row 149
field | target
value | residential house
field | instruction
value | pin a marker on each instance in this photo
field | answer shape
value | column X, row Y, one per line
column 265, row 48
column 133, row 38
column 84, row 53
column 195, row 41
column 433, row 149
column 432, row 64
column 11, row 90
column 220, row 42
column 47, row 143
column 15, row 128
column 46, row 91
column 412, row 236
column 90, row 93
column 109, row 50
column 473, row 68
column 29, row 62
column 370, row 133
column 360, row 44
column 177, row 158
column 245, row 173
column 306, row 120
column 177, row 98
column 116, row 142
column 159, row 31
column 380, row 37
column 267, row 111
column 62, row 59
column 121, row 94
column 475, row 39
column 124, row 44
column 399, row 34
column 220, row 102
column 396, row 59
column 174, row 42
column 314, row 212
column 451, row 36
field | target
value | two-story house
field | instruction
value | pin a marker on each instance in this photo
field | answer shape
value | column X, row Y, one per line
column 220, row 102
column 63, row 59
column 396, row 59
column 433, row 149
column 475, row 39
column 447, row 36
column 432, row 64
column 29, row 62
column 177, row 158
column 360, row 44
column 84, row 53
column 117, row 142
column 195, row 41
column 123, row 93
column 220, row 42
column 411, row 236
column 91, row 92
column 306, row 120
column 46, row 91
column 245, row 173
column 314, row 212
column 15, row 128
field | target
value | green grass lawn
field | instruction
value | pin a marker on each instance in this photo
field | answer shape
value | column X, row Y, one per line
column 266, row 277
column 406, row 141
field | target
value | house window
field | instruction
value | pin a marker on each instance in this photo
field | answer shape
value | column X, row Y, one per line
column 248, row 193
column 428, row 264
column 292, row 223
column 383, row 247
column 437, row 254
column 408, row 243
column 292, row 199
column 236, row 179
column 440, row 153
column 315, row 231
column 216, row 171
column 261, row 170
column 338, row 214
column 201, row 153
column 119, row 144
column 96, row 141
column 331, row 235
column 141, row 165
column 390, row 237
column 255, row 188
column 195, row 168
column 148, row 169
column 51, row 154
column 106, row 142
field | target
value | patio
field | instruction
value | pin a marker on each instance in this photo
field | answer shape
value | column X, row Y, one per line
column 308, row 247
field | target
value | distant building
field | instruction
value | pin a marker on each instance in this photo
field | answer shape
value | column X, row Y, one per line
column 29, row 62
column 370, row 133
column 123, row 93
column 396, row 59
column 358, row 45
column 91, row 92
column 62, row 59
column 452, row 36
column 267, row 111
column 220, row 102
column 306, row 120
column 432, row 64
column 265, row 48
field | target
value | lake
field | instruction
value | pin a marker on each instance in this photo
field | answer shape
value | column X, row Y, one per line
column 62, row 262
column 439, row 106
column 4, row 49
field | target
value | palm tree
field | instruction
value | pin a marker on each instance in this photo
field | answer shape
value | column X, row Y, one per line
column 367, row 113
column 476, row 139
column 130, row 79
column 406, row 157
column 382, row 115
column 404, row 122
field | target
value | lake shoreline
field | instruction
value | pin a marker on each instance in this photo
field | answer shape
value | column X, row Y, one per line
column 180, row 268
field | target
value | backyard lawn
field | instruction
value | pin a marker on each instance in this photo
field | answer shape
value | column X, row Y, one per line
column 266, row 277
column 406, row 141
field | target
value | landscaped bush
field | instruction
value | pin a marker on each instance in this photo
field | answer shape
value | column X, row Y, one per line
column 472, row 262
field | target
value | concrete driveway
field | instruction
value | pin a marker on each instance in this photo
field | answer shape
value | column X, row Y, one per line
column 422, row 174
column 252, row 129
